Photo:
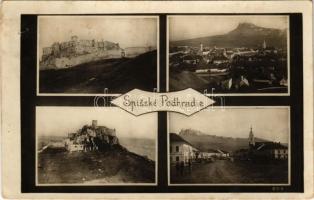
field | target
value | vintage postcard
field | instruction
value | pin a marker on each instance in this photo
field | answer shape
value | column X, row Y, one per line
column 229, row 54
column 156, row 100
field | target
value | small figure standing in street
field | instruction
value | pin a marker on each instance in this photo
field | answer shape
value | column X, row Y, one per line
column 177, row 167
column 182, row 168
column 190, row 166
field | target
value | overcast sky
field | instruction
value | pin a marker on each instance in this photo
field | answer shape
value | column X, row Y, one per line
column 267, row 123
column 59, row 121
column 128, row 31
column 188, row 27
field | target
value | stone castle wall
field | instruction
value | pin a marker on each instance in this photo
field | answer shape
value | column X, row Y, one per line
column 75, row 52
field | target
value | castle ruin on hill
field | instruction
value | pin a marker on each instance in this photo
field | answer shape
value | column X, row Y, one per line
column 74, row 52
column 91, row 137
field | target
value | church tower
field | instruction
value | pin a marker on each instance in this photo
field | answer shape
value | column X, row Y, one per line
column 264, row 45
column 251, row 138
column 94, row 124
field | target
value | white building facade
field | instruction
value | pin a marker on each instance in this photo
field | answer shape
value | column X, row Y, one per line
column 180, row 150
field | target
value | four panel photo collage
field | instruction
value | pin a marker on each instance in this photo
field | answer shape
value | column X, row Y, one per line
column 75, row 140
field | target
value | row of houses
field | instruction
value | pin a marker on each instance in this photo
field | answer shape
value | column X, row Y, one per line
column 212, row 153
column 263, row 151
column 266, row 150
column 218, row 56
column 183, row 151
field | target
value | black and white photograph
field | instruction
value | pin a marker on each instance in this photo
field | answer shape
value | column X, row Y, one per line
column 229, row 54
column 136, row 101
column 95, row 146
column 83, row 55
column 231, row 145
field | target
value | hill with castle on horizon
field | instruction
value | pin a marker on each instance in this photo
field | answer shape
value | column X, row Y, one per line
column 244, row 35
column 205, row 141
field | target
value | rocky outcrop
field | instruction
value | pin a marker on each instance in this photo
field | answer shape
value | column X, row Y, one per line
column 74, row 52
column 91, row 138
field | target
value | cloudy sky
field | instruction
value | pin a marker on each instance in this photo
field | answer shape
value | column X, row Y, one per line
column 58, row 121
column 267, row 123
column 128, row 31
column 188, row 27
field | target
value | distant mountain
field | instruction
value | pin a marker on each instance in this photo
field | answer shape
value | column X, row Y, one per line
column 206, row 142
column 245, row 35
column 190, row 132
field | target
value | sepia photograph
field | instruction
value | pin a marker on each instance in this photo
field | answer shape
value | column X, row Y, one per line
column 95, row 146
column 96, row 54
column 230, row 146
column 229, row 54
column 157, row 100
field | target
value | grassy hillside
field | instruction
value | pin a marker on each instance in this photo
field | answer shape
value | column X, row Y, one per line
column 186, row 79
column 118, row 75
column 113, row 166
column 140, row 146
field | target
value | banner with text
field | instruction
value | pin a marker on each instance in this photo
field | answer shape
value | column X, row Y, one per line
column 186, row 102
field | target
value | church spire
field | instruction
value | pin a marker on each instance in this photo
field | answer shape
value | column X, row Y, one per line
column 251, row 137
column 264, row 45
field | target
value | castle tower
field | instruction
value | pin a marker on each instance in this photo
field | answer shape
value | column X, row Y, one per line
column 264, row 45
column 74, row 38
column 94, row 123
column 201, row 47
column 251, row 138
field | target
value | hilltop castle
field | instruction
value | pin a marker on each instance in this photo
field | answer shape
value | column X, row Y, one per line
column 91, row 137
column 75, row 52
column 77, row 47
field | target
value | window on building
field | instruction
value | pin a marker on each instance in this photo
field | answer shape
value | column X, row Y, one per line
column 177, row 148
column 177, row 158
column 170, row 149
